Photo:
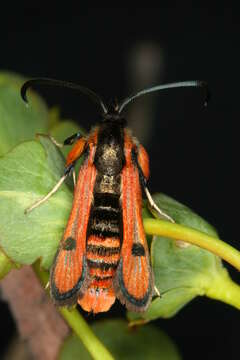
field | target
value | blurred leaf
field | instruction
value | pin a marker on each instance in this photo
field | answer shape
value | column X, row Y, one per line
column 53, row 116
column 146, row 342
column 61, row 128
column 18, row 121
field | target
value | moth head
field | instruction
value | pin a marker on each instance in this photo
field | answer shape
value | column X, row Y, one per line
column 113, row 114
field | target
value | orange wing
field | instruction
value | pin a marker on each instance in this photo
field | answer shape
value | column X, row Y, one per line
column 133, row 282
column 69, row 276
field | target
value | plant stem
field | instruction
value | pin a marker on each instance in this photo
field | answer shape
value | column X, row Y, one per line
column 77, row 323
column 86, row 335
column 195, row 237
column 224, row 289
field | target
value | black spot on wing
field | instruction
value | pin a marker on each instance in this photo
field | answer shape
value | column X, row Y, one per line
column 138, row 250
column 69, row 244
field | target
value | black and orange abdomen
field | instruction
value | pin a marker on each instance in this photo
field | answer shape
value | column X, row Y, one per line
column 103, row 253
column 104, row 235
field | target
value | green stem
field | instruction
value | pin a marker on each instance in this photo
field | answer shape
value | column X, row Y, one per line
column 224, row 289
column 192, row 236
column 86, row 335
column 78, row 325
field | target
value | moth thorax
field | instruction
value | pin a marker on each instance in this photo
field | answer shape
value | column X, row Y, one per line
column 109, row 159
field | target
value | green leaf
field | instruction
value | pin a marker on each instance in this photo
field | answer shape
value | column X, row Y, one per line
column 28, row 173
column 5, row 265
column 18, row 121
column 146, row 342
column 181, row 273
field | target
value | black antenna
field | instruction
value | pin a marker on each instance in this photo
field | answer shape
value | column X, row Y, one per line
column 52, row 82
column 194, row 83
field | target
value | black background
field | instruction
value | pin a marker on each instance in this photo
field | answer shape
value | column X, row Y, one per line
column 193, row 150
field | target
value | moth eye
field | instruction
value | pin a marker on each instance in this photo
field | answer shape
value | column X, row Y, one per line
column 69, row 244
column 138, row 250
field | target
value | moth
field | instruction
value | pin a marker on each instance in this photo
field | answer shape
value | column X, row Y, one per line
column 103, row 254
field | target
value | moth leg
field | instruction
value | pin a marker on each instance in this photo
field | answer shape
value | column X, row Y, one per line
column 72, row 139
column 141, row 161
column 157, row 293
column 55, row 142
column 53, row 191
column 155, row 209
column 162, row 215
column 74, row 154
column 78, row 149
column 50, row 137
column 74, row 177
column 68, row 141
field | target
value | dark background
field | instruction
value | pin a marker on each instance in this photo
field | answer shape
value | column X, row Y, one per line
column 193, row 150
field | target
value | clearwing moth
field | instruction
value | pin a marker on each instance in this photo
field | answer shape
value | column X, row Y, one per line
column 103, row 254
